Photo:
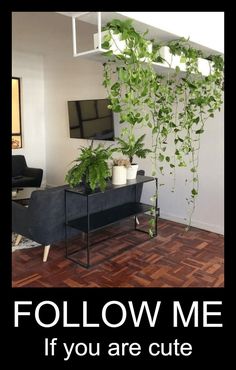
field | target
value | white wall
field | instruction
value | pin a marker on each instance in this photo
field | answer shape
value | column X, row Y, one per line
column 29, row 67
column 49, row 37
column 67, row 78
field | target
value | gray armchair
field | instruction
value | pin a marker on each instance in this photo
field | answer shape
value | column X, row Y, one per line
column 24, row 176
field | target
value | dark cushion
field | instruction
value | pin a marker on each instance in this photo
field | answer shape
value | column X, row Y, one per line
column 24, row 176
column 22, row 181
column 18, row 165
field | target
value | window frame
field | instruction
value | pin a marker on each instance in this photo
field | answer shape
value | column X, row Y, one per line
column 20, row 122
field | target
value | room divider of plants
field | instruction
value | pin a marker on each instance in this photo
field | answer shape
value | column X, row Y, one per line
column 174, row 106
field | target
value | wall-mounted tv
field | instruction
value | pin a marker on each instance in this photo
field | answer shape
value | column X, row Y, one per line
column 91, row 119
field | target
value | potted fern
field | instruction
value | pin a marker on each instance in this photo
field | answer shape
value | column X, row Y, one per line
column 91, row 168
column 130, row 146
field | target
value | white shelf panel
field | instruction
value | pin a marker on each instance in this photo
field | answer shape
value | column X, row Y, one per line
column 96, row 55
column 101, row 18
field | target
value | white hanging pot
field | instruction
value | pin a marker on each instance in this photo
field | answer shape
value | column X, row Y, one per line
column 118, row 175
column 132, row 171
column 117, row 45
column 171, row 60
column 204, row 66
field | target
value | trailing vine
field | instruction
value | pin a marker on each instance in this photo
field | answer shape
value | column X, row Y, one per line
column 175, row 107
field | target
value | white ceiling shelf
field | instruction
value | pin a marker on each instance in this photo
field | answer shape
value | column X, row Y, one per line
column 100, row 19
column 153, row 32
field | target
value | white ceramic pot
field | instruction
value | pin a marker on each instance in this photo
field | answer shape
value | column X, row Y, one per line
column 118, row 175
column 204, row 66
column 117, row 45
column 132, row 171
column 171, row 60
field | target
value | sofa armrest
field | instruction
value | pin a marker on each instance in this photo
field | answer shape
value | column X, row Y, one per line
column 20, row 219
column 36, row 173
column 30, row 171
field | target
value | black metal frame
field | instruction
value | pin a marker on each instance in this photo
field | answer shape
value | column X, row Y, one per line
column 88, row 244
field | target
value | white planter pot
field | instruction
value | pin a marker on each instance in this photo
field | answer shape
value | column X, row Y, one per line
column 118, row 175
column 116, row 44
column 204, row 66
column 132, row 171
column 171, row 60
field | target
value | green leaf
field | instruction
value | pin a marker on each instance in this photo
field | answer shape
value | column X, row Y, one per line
column 106, row 45
column 108, row 53
column 200, row 131
column 161, row 157
column 154, row 130
column 167, row 159
column 194, row 192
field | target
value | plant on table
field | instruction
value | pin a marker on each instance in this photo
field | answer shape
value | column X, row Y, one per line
column 91, row 167
column 130, row 146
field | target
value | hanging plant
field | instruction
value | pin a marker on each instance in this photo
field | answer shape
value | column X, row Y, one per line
column 196, row 98
column 175, row 107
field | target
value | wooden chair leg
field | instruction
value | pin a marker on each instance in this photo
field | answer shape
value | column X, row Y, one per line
column 46, row 252
column 18, row 239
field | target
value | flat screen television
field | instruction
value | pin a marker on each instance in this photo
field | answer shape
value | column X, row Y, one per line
column 91, row 119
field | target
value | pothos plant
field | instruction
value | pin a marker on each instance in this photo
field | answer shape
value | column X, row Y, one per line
column 174, row 106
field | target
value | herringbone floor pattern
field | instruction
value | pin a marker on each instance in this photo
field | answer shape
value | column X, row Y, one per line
column 174, row 258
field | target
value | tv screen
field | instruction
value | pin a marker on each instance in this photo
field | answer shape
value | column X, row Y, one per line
column 91, row 119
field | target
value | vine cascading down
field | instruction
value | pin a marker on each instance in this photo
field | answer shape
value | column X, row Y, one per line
column 174, row 106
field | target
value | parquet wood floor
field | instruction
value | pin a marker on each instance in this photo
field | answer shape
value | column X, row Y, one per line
column 174, row 258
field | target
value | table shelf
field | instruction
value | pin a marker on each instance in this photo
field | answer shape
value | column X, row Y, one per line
column 109, row 216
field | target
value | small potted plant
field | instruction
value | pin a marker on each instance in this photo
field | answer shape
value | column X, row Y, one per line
column 91, row 168
column 130, row 146
column 119, row 171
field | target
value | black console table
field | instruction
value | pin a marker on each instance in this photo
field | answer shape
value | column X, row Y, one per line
column 98, row 220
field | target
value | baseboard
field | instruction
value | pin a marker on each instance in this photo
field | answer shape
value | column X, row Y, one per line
column 200, row 225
